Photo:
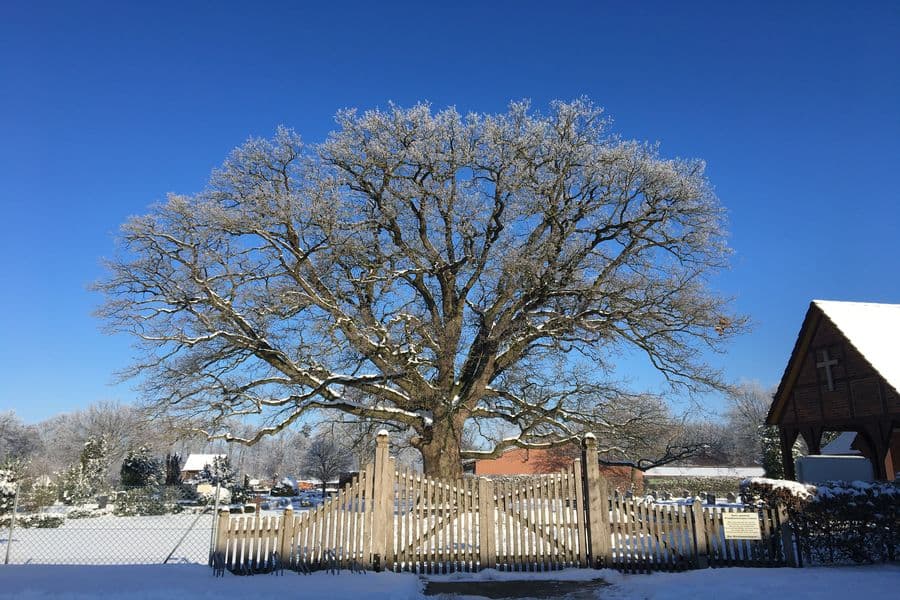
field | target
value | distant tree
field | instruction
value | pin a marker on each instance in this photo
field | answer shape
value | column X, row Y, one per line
column 11, row 473
column 122, row 426
column 173, row 469
column 219, row 471
column 745, row 418
column 141, row 468
column 95, row 464
column 73, row 485
column 17, row 440
column 325, row 460
column 770, row 442
column 429, row 270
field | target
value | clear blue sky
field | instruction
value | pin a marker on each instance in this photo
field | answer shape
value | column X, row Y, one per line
column 104, row 108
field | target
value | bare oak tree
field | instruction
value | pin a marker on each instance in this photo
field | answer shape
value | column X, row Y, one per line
column 427, row 270
column 325, row 460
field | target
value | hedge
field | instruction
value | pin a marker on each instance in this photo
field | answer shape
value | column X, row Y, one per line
column 838, row 522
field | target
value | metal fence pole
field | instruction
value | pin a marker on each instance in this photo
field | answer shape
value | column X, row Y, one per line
column 212, row 535
column 12, row 523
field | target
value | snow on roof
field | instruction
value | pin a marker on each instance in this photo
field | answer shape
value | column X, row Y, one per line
column 705, row 472
column 841, row 445
column 873, row 330
column 196, row 462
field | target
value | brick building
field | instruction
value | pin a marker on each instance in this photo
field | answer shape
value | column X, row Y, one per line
column 521, row 461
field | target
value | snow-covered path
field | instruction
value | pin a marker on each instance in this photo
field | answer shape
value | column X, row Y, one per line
column 157, row 582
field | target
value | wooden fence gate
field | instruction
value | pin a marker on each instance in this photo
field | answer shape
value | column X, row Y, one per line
column 400, row 520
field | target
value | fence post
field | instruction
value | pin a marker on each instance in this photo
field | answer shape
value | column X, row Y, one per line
column 584, row 554
column 700, row 539
column 600, row 549
column 221, row 528
column 787, row 537
column 215, row 527
column 12, row 523
column 486, row 555
column 286, row 537
column 382, row 501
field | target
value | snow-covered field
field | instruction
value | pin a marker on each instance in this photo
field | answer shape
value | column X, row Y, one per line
column 114, row 540
column 151, row 582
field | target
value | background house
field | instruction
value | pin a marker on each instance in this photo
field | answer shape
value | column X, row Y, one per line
column 521, row 461
column 195, row 464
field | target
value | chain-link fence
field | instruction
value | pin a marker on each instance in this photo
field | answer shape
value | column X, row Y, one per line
column 140, row 525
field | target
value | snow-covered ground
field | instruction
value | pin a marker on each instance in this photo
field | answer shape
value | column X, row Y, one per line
column 110, row 539
column 151, row 582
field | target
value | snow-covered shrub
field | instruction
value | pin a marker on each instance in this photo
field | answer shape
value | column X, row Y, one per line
column 7, row 491
column 95, row 464
column 74, row 486
column 84, row 513
column 141, row 468
column 39, row 496
column 852, row 522
column 285, row 488
column 140, row 502
column 33, row 521
column 772, row 492
column 11, row 472
column 839, row 521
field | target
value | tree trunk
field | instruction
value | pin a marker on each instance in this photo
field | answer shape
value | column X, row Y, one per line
column 440, row 452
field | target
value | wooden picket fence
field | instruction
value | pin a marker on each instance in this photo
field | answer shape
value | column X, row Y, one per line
column 398, row 519
column 672, row 537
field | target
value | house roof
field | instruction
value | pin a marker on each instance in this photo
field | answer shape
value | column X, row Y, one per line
column 842, row 445
column 196, row 462
column 705, row 472
column 873, row 329
column 870, row 327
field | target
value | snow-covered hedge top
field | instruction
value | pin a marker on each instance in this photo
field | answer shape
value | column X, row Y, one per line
column 827, row 491
column 795, row 488
column 834, row 489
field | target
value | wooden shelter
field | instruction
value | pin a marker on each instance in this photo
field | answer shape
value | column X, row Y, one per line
column 843, row 375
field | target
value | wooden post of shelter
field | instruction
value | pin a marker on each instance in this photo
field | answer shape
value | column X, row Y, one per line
column 699, row 530
column 597, row 502
column 486, row 553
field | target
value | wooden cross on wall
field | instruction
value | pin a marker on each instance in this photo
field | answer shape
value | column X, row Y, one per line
column 826, row 363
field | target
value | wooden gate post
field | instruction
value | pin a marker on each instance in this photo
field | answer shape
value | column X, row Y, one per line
column 787, row 537
column 699, row 531
column 221, row 544
column 486, row 548
column 597, row 502
column 382, row 503
column 286, row 537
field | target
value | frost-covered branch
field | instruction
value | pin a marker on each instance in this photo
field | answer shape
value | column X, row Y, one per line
column 418, row 260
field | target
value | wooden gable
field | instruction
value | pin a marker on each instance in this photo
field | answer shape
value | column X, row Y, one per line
column 809, row 395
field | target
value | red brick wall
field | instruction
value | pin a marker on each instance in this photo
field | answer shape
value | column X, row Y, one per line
column 520, row 461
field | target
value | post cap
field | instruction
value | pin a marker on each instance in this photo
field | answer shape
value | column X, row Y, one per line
column 381, row 439
column 589, row 440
